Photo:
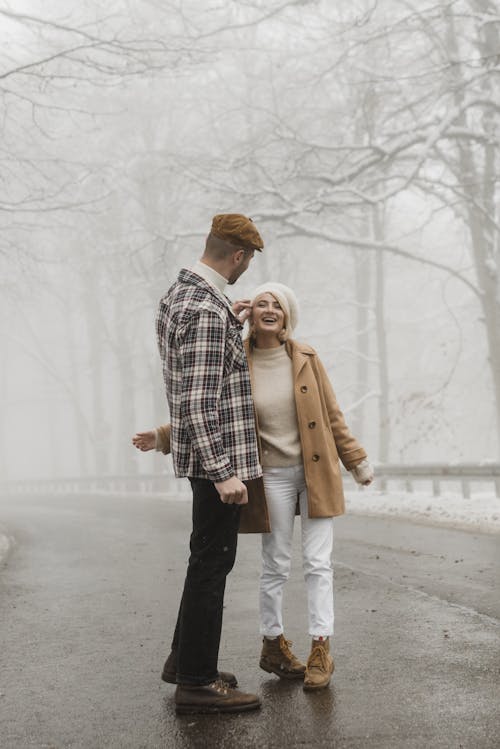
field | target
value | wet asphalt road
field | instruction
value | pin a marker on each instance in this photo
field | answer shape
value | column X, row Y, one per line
column 88, row 599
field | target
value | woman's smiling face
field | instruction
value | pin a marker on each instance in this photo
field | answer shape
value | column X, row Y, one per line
column 267, row 315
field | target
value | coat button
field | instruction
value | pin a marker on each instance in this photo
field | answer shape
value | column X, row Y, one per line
column 311, row 424
column 315, row 458
column 303, row 389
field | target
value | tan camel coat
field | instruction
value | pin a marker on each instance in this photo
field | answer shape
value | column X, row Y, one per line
column 324, row 436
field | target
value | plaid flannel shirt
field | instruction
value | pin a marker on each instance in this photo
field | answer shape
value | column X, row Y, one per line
column 207, row 383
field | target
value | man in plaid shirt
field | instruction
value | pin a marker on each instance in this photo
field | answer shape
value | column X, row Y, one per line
column 213, row 443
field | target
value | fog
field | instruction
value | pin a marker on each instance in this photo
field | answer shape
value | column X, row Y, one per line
column 362, row 137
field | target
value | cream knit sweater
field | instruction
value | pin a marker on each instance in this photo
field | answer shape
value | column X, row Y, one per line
column 274, row 400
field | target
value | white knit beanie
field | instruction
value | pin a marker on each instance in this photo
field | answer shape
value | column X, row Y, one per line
column 286, row 298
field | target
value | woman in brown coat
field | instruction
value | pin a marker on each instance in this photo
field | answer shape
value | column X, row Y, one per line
column 302, row 435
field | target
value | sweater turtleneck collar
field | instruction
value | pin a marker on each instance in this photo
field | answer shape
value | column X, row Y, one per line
column 210, row 275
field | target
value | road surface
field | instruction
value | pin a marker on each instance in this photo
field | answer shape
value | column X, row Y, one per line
column 89, row 595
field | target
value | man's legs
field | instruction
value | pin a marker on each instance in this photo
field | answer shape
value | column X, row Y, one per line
column 213, row 550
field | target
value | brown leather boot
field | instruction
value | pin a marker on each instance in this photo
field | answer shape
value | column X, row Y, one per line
column 217, row 697
column 169, row 673
column 277, row 658
column 320, row 666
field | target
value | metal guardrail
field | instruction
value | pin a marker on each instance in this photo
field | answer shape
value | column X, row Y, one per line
column 163, row 483
column 464, row 473
column 116, row 484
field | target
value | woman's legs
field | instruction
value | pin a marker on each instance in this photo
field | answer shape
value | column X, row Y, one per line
column 281, row 496
column 317, row 545
column 282, row 486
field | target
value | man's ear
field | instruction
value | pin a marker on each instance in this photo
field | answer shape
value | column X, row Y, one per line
column 238, row 256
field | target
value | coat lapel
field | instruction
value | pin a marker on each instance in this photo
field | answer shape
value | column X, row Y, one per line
column 299, row 355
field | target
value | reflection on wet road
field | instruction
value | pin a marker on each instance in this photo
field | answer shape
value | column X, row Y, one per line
column 89, row 595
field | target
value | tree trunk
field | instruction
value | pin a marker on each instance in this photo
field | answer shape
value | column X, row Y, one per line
column 475, row 172
column 126, row 458
column 80, row 430
column 95, row 324
column 383, row 368
column 4, row 399
column 362, row 268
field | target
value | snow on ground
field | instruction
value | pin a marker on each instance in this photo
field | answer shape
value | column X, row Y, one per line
column 4, row 544
column 479, row 513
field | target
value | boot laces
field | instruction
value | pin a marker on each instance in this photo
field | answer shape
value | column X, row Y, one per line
column 285, row 646
column 318, row 658
column 221, row 686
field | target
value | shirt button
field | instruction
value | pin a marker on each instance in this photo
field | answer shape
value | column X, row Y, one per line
column 315, row 458
column 303, row 389
column 312, row 424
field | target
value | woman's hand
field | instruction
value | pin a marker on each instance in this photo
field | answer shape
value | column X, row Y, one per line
column 363, row 473
column 145, row 440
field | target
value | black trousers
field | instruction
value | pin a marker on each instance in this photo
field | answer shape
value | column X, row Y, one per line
column 213, row 550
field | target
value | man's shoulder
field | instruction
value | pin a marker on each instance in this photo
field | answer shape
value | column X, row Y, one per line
column 191, row 296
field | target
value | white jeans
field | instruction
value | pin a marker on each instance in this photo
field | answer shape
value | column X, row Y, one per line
column 282, row 486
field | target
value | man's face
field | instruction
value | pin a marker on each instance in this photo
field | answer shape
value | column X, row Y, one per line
column 241, row 261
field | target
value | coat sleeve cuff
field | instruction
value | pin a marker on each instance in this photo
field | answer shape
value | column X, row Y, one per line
column 351, row 458
column 162, row 435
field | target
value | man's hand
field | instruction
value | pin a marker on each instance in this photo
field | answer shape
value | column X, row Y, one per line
column 144, row 440
column 232, row 491
column 242, row 309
